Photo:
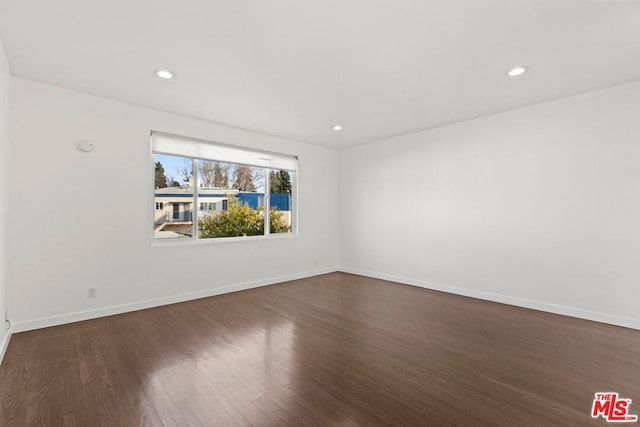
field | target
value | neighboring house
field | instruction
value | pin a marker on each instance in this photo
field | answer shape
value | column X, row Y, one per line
column 174, row 207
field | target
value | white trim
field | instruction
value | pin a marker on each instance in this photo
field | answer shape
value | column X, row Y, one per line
column 5, row 343
column 79, row 316
column 194, row 209
column 266, row 224
column 579, row 313
column 159, row 243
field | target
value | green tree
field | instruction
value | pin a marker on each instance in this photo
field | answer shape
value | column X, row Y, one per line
column 279, row 182
column 240, row 220
column 161, row 178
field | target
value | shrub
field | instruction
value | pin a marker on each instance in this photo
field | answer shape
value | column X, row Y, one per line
column 240, row 220
column 278, row 224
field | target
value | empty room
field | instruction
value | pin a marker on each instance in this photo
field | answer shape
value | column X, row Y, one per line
column 337, row 213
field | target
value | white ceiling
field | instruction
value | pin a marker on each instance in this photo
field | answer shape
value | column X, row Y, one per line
column 293, row 68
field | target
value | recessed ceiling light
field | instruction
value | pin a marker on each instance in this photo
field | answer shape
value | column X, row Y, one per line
column 337, row 128
column 517, row 71
column 164, row 74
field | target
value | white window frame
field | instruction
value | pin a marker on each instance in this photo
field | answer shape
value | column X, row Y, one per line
column 205, row 148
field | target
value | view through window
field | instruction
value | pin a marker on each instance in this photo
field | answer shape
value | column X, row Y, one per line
column 201, row 193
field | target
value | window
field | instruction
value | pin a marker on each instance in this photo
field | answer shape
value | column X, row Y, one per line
column 218, row 191
column 207, row 206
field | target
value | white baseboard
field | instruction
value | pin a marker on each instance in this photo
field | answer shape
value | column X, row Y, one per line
column 156, row 302
column 579, row 313
column 4, row 344
column 46, row 322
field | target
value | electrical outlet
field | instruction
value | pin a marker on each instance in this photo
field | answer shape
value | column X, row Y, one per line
column 315, row 261
column 92, row 292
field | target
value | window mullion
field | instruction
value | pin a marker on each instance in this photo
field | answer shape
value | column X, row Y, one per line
column 195, row 210
column 267, row 202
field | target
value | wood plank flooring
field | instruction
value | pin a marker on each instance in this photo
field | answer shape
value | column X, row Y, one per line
column 333, row 350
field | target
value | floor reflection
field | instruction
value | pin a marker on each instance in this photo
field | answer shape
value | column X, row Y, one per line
column 336, row 350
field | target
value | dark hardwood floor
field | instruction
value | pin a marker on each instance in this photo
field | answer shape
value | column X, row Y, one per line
column 333, row 350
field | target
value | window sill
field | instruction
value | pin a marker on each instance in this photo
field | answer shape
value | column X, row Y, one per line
column 188, row 242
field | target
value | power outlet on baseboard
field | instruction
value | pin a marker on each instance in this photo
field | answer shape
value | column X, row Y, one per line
column 315, row 261
column 92, row 292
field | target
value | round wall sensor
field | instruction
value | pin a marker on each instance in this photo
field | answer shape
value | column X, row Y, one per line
column 86, row 146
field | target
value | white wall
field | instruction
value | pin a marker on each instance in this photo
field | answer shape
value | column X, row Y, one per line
column 538, row 207
column 4, row 176
column 71, row 239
